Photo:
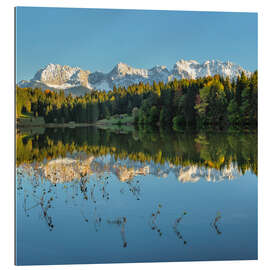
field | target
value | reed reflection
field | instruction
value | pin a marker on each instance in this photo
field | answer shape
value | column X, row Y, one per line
column 89, row 169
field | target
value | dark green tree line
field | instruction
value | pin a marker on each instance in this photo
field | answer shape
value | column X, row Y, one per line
column 208, row 101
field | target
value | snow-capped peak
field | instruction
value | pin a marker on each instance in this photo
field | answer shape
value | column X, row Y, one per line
column 123, row 69
column 55, row 76
column 61, row 77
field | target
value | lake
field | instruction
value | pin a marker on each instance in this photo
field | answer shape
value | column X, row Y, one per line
column 87, row 195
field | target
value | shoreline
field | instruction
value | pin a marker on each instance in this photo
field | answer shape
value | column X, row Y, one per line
column 123, row 127
column 54, row 125
column 115, row 127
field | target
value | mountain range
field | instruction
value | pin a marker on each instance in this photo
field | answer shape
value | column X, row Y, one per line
column 78, row 82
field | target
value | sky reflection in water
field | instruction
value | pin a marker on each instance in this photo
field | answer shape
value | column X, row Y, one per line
column 95, row 206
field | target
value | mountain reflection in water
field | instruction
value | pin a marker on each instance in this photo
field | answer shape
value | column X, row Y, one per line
column 122, row 197
column 205, row 150
column 67, row 169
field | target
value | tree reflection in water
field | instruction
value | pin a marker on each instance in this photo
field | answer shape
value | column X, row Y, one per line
column 203, row 149
column 93, row 161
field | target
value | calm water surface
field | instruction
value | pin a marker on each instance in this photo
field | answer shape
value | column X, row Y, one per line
column 91, row 196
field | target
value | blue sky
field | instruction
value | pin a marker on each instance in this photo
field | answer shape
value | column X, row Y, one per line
column 97, row 39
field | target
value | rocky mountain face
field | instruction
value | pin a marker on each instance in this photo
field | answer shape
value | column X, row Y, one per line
column 57, row 77
column 78, row 81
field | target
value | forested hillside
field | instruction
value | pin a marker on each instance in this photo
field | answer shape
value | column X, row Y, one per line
column 209, row 101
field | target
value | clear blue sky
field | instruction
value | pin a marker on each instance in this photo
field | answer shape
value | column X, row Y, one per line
column 97, row 39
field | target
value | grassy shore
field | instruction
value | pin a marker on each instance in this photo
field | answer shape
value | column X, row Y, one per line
column 28, row 119
column 118, row 123
column 122, row 119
